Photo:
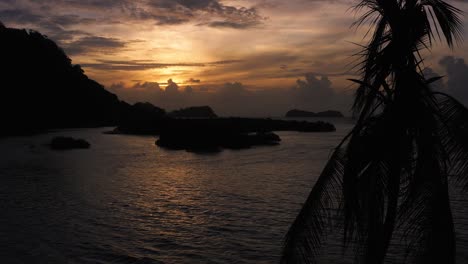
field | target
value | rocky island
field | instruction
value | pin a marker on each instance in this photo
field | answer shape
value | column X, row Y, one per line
column 65, row 143
column 165, row 124
column 60, row 95
column 213, row 134
column 203, row 140
column 42, row 89
column 194, row 112
column 302, row 113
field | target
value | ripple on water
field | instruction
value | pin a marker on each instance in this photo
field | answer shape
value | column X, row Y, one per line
column 126, row 201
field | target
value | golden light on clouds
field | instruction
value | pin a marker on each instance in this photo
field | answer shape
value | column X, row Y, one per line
column 263, row 44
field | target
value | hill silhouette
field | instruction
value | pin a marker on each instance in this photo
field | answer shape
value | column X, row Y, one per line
column 302, row 113
column 194, row 112
column 42, row 89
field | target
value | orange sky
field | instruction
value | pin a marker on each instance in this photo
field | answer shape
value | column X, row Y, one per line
column 263, row 44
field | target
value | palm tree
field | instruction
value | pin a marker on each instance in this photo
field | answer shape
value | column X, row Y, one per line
column 388, row 179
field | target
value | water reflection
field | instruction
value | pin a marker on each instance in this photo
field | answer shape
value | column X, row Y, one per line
column 126, row 201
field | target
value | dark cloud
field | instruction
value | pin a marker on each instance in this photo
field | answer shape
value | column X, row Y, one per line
column 188, row 89
column 55, row 27
column 259, row 65
column 147, row 86
column 138, row 65
column 235, row 99
column 457, row 77
column 192, row 80
column 71, row 20
column 20, row 16
column 172, row 87
column 232, row 24
column 91, row 44
column 139, row 92
column 182, row 11
column 161, row 12
column 316, row 94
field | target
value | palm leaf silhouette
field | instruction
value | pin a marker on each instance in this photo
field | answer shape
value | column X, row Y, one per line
column 392, row 171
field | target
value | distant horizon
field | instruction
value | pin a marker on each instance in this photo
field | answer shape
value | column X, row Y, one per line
column 240, row 57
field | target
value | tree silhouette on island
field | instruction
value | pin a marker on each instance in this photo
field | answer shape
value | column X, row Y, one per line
column 42, row 90
column 389, row 177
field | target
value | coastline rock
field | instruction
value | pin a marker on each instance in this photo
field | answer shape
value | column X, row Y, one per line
column 140, row 119
column 236, row 125
column 214, row 141
column 194, row 112
column 64, row 143
column 302, row 113
column 42, row 89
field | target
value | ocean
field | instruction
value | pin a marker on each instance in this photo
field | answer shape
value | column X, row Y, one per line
column 125, row 200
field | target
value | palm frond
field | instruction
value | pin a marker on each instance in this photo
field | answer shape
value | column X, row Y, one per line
column 305, row 236
column 393, row 172
column 447, row 18
column 453, row 130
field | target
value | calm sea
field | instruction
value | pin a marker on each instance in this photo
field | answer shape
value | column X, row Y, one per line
column 127, row 201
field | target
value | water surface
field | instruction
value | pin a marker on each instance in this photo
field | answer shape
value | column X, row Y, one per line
column 127, row 201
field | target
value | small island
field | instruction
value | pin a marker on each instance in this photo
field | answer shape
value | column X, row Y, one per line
column 66, row 143
column 200, row 133
column 205, row 140
column 302, row 113
column 164, row 124
column 70, row 99
column 194, row 112
column 214, row 134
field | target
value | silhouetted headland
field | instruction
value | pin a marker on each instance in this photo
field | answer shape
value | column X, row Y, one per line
column 213, row 134
column 302, row 113
column 166, row 124
column 206, row 140
column 64, row 143
column 42, row 89
column 194, row 112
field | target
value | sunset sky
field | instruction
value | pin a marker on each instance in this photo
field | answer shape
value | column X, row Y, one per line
column 262, row 50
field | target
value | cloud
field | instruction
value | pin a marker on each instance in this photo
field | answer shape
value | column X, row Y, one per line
column 457, row 77
column 71, row 20
column 192, row 80
column 92, row 44
column 313, row 89
column 236, row 99
column 232, row 24
column 19, row 16
column 172, row 87
column 182, row 11
column 160, row 12
column 188, row 89
column 138, row 65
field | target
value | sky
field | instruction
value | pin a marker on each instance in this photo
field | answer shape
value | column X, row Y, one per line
column 256, row 57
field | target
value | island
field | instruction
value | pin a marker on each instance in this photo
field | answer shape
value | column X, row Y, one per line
column 194, row 112
column 302, row 113
column 52, row 93
column 167, row 124
column 43, row 90
column 66, row 143
column 214, row 134
column 205, row 140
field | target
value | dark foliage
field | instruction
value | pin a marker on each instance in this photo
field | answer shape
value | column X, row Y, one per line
column 64, row 143
column 392, row 171
column 42, row 89
column 194, row 112
column 203, row 140
column 302, row 113
column 236, row 125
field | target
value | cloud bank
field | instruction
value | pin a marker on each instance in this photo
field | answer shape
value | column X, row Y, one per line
column 235, row 99
column 456, row 81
